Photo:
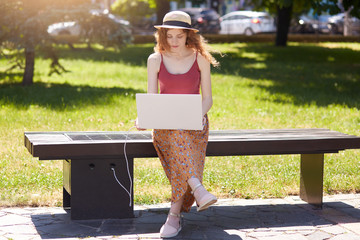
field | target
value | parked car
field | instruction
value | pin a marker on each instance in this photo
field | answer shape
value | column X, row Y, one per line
column 204, row 19
column 336, row 24
column 71, row 31
column 64, row 29
column 310, row 24
column 247, row 22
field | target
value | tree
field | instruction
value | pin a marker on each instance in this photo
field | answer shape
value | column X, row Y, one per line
column 285, row 9
column 162, row 7
column 351, row 8
column 32, row 32
column 24, row 23
column 134, row 10
column 284, row 13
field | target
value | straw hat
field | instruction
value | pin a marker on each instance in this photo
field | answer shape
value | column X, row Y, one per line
column 176, row 19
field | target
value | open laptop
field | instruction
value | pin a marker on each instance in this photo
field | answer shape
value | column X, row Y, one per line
column 169, row 111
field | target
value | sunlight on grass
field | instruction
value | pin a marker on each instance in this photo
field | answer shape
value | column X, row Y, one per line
column 257, row 86
column 353, row 46
column 255, row 65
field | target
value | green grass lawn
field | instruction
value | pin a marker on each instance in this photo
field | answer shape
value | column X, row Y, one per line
column 257, row 86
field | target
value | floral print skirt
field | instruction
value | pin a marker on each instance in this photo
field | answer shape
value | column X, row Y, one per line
column 182, row 155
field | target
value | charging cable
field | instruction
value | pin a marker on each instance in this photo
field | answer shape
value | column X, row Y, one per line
column 128, row 170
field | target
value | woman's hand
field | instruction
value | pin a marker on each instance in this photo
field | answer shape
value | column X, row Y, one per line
column 204, row 121
column 137, row 125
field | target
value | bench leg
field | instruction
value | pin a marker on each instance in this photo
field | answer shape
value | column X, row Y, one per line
column 66, row 184
column 66, row 199
column 311, row 178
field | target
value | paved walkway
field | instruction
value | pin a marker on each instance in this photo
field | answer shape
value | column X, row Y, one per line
column 234, row 219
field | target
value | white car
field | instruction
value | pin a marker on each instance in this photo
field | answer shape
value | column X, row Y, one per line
column 71, row 31
column 247, row 22
column 64, row 28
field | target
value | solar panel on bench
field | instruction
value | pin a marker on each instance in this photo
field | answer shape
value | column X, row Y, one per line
column 104, row 137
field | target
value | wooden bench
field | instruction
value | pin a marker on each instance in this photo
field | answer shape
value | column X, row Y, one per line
column 90, row 189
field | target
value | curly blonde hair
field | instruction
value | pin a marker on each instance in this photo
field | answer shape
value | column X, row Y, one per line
column 193, row 40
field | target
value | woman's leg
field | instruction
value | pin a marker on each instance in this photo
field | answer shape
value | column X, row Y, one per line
column 172, row 225
column 193, row 182
column 176, row 209
column 203, row 198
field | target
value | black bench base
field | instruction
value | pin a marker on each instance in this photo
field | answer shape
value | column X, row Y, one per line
column 92, row 192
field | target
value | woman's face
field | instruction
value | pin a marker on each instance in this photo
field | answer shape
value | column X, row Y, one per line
column 176, row 38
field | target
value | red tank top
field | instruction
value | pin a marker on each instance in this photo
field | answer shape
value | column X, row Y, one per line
column 186, row 83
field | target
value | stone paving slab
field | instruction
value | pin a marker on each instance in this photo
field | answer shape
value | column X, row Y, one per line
column 233, row 219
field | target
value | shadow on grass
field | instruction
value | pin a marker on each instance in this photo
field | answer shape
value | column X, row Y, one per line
column 10, row 77
column 61, row 97
column 134, row 55
column 298, row 74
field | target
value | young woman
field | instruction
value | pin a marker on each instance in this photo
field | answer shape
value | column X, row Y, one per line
column 181, row 65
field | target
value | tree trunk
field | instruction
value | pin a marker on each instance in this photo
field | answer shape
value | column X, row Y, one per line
column 347, row 24
column 162, row 7
column 283, row 23
column 29, row 66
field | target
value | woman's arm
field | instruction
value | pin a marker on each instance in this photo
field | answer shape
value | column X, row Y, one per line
column 206, row 91
column 153, row 66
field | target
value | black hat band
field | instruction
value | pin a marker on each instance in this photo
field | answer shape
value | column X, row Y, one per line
column 177, row 24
